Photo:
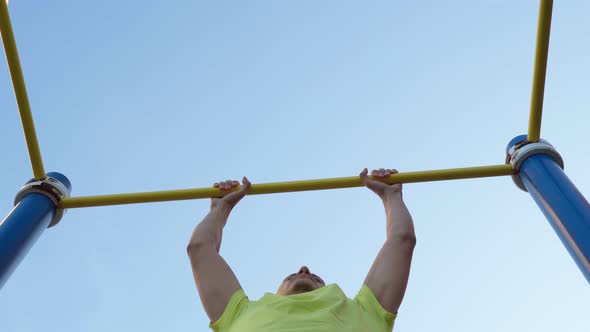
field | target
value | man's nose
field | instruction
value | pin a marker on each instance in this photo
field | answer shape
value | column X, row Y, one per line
column 303, row 269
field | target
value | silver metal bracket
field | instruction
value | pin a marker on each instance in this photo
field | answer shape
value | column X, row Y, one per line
column 49, row 187
column 519, row 153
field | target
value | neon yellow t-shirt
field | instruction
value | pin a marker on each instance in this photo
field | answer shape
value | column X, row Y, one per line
column 326, row 309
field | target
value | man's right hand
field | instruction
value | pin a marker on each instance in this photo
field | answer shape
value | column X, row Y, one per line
column 232, row 198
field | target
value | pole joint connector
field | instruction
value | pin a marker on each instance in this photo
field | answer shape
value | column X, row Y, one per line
column 50, row 187
column 518, row 153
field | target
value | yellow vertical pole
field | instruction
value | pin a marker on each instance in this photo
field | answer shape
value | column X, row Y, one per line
column 18, row 82
column 540, row 69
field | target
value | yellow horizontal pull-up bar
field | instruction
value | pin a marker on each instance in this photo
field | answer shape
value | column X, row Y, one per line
column 18, row 82
column 279, row 187
column 540, row 71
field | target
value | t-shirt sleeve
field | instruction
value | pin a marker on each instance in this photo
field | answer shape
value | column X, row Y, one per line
column 238, row 302
column 371, row 306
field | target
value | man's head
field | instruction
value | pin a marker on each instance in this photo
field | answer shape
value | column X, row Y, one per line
column 300, row 282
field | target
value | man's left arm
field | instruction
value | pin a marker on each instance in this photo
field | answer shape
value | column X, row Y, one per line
column 388, row 276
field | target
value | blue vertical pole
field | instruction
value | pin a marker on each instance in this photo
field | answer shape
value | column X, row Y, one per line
column 540, row 172
column 35, row 209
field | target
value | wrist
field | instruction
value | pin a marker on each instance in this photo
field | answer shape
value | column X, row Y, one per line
column 392, row 196
column 221, row 207
column 392, row 201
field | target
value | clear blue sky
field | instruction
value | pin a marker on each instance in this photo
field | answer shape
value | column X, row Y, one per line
column 138, row 96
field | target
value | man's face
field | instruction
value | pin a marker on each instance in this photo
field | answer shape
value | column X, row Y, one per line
column 300, row 282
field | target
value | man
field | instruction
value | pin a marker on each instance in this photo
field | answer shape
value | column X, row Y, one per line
column 303, row 302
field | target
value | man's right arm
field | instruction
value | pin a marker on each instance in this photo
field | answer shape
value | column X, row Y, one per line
column 215, row 280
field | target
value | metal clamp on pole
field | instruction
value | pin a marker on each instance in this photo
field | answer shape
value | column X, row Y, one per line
column 518, row 153
column 50, row 187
